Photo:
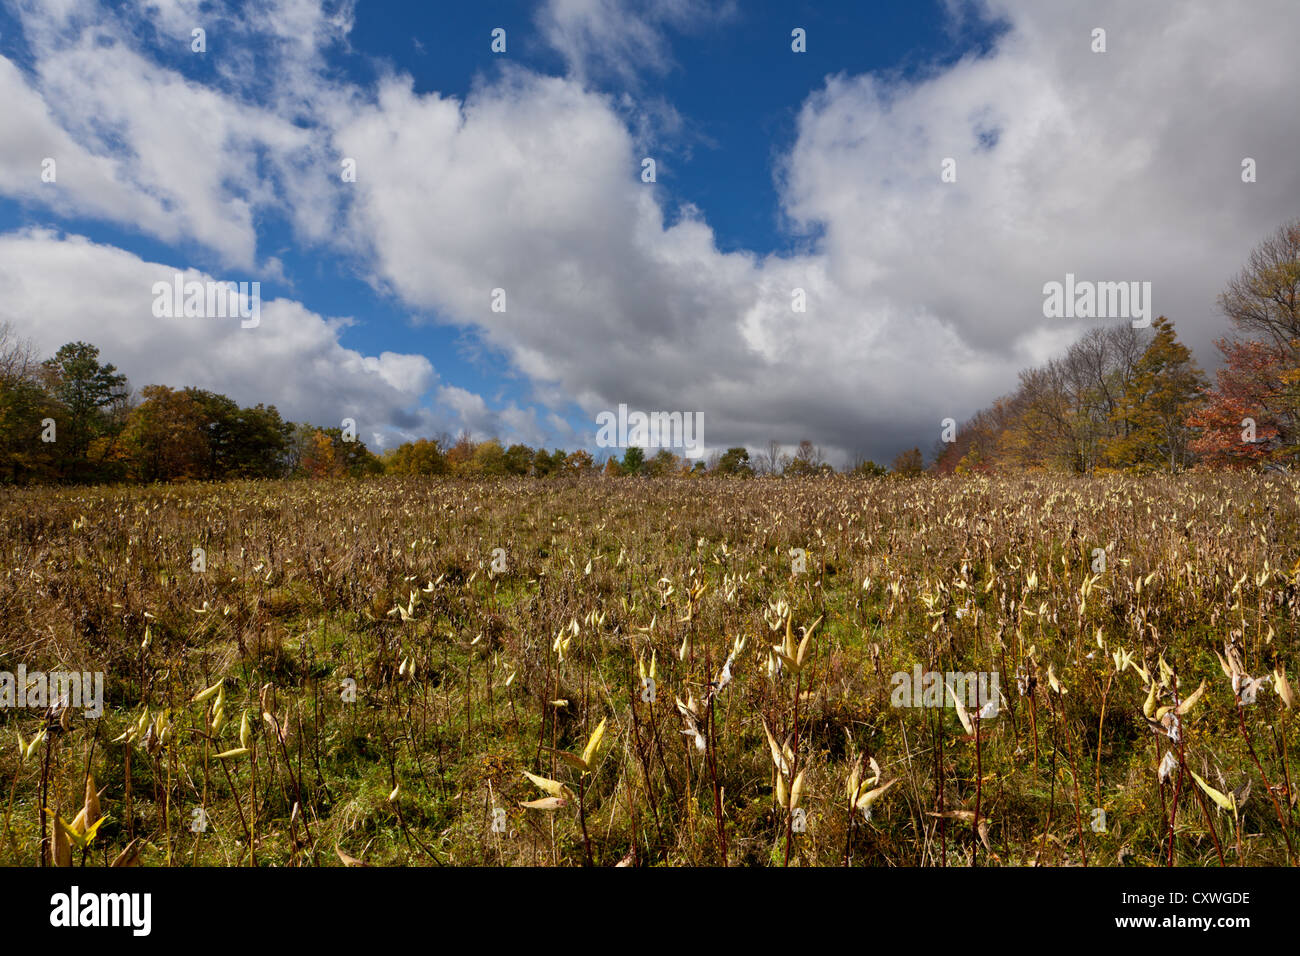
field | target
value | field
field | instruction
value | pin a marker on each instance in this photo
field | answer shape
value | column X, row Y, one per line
column 353, row 672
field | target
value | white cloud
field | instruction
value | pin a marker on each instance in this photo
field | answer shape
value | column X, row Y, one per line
column 925, row 298
column 140, row 143
column 57, row 290
column 621, row 38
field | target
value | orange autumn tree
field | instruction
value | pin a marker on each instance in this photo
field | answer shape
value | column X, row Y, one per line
column 1252, row 415
column 320, row 461
column 166, row 435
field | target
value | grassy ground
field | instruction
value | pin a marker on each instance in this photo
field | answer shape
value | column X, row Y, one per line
column 396, row 686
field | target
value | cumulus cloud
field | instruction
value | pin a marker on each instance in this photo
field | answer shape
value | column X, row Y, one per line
column 1101, row 164
column 90, row 292
column 925, row 298
column 139, row 142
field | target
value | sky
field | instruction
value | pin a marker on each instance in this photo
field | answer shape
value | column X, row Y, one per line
column 781, row 177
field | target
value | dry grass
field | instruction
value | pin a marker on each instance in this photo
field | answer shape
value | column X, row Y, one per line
column 466, row 678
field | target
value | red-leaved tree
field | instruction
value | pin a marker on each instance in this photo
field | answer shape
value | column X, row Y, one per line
column 1257, row 396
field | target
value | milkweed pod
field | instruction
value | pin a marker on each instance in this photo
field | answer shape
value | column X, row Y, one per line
column 778, row 758
column 1225, row 801
column 796, row 790
column 544, row 803
column 573, row 760
column 208, row 692
column 553, row 787
column 865, row 801
column 130, row 854
column 62, row 845
column 1167, row 766
column 961, row 710
column 593, row 744
column 347, row 859
column 1282, row 687
column 789, row 648
column 782, row 798
column 244, row 730
column 1166, row 672
column 802, row 653
column 392, row 797
column 91, row 808
column 1223, row 666
column 1149, row 706
column 1052, row 681
column 237, row 752
column 1190, row 701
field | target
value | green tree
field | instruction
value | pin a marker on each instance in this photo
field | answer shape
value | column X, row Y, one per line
column 633, row 461
column 241, row 442
column 735, row 461
column 543, row 464
column 86, row 389
column 866, row 468
column 518, row 460
column 807, row 460
column 1165, row 388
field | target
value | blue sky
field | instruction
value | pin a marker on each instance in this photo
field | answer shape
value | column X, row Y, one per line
column 776, row 171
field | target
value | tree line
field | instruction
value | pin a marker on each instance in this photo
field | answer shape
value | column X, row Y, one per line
column 1118, row 399
column 73, row 418
column 1127, row 399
